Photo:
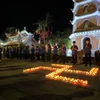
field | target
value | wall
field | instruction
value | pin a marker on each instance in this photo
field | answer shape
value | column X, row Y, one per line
column 95, row 42
column 98, row 21
column 78, row 42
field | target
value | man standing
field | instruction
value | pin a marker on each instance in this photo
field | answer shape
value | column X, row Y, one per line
column 63, row 53
column 74, row 49
column 87, row 52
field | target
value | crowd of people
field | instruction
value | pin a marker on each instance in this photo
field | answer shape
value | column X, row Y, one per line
column 40, row 53
column 46, row 53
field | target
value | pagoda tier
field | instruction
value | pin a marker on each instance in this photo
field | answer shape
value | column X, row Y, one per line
column 93, row 35
column 87, row 10
column 86, row 33
column 76, row 4
column 97, row 13
column 79, row 0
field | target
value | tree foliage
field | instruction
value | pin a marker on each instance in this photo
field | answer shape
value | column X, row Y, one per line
column 44, row 29
column 44, row 23
column 61, row 37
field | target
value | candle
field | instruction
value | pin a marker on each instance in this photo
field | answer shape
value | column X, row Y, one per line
column 55, row 75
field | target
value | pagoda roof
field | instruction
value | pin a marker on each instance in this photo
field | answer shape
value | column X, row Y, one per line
column 81, row 3
column 85, row 33
column 79, row 0
column 11, row 43
column 85, row 16
column 12, row 34
column 24, row 33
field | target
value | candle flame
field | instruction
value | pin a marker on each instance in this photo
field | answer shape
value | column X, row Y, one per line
column 55, row 75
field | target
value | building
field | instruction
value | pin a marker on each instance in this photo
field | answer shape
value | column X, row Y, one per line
column 19, row 37
column 12, row 38
column 86, row 23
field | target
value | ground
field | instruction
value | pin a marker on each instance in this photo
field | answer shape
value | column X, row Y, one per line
column 16, row 85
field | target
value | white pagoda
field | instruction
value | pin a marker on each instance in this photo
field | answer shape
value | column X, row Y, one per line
column 86, row 23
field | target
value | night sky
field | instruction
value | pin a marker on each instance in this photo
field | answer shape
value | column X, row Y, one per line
column 26, row 14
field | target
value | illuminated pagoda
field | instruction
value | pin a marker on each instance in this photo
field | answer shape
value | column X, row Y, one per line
column 86, row 23
column 23, row 37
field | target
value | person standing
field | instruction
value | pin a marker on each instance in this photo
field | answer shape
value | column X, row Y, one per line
column 17, row 52
column 87, row 52
column 38, row 53
column 55, row 52
column 4, row 52
column 12, row 52
column 74, row 49
column 63, row 53
column 0, row 53
column 20, row 52
column 26, row 52
column 48, row 52
column 32, row 53
column 43, row 52
column 8, row 52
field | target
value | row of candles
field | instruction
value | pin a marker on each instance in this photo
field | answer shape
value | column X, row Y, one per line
column 59, row 65
column 55, row 75
column 30, row 70
column 92, row 72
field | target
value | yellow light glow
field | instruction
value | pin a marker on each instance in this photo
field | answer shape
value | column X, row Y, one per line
column 55, row 75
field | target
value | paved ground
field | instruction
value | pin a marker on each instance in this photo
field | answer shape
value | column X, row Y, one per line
column 15, row 85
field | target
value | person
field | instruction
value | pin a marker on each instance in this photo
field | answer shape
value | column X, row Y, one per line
column 20, row 52
column 12, row 52
column 87, row 52
column 38, row 53
column 4, row 52
column 43, row 49
column 26, row 52
column 32, row 53
column 17, row 52
column 0, row 53
column 48, row 52
column 74, row 49
column 63, row 53
column 55, row 54
column 8, row 52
